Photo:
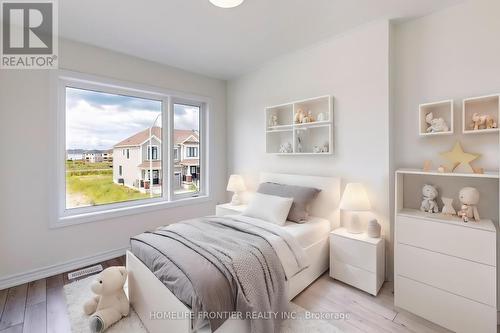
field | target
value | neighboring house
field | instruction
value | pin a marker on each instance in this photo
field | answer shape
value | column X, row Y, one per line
column 134, row 156
column 93, row 156
column 74, row 156
column 107, row 156
column 186, row 158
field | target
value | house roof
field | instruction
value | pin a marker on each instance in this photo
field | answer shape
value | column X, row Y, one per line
column 145, row 165
column 138, row 138
column 180, row 136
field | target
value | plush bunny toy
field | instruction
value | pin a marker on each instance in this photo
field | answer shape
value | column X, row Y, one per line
column 429, row 203
column 110, row 303
column 469, row 197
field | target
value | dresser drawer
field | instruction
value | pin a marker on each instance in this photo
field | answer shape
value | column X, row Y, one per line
column 355, row 276
column 446, row 309
column 468, row 243
column 354, row 252
column 462, row 277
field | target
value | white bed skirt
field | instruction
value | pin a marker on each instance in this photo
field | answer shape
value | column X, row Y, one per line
column 156, row 304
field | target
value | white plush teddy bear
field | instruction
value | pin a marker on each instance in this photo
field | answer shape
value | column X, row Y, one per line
column 435, row 124
column 110, row 303
column 469, row 197
column 429, row 203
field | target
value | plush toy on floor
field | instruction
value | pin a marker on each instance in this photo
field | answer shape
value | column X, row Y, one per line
column 429, row 203
column 110, row 303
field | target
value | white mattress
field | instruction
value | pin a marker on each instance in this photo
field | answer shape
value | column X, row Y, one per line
column 309, row 233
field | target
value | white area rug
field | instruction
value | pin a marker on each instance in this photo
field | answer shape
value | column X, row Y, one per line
column 79, row 292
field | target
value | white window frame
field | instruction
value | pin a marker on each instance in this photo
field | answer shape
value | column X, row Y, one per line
column 150, row 151
column 60, row 216
column 202, row 147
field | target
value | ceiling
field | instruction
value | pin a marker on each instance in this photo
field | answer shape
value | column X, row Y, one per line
column 222, row 43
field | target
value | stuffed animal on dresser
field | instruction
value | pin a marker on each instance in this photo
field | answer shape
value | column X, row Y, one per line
column 448, row 206
column 469, row 198
column 429, row 203
column 110, row 303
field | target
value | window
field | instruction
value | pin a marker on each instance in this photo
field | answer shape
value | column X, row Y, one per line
column 98, row 121
column 192, row 152
column 121, row 134
column 187, row 134
column 154, row 150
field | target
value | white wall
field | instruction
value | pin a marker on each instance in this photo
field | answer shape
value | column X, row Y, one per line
column 451, row 54
column 26, row 242
column 354, row 68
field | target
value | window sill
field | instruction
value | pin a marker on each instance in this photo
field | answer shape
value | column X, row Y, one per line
column 66, row 221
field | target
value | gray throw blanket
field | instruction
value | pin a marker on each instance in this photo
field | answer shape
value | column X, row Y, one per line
column 219, row 265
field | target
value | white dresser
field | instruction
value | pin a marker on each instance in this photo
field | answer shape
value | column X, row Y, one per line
column 445, row 270
column 357, row 259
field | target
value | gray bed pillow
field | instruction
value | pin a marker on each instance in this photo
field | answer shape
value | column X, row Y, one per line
column 302, row 198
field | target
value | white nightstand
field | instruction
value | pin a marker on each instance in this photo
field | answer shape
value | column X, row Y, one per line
column 228, row 209
column 358, row 260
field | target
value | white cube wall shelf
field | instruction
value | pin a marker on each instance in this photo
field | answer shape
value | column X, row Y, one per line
column 441, row 109
column 314, row 134
column 484, row 105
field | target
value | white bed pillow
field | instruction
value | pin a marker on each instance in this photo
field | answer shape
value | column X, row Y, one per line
column 269, row 208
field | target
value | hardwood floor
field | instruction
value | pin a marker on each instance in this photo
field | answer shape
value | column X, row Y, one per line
column 40, row 307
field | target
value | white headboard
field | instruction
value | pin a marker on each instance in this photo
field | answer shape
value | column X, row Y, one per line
column 326, row 204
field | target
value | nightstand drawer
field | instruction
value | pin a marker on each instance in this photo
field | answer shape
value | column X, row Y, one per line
column 354, row 276
column 455, row 240
column 354, row 252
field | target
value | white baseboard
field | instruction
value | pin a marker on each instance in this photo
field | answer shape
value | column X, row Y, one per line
column 45, row 272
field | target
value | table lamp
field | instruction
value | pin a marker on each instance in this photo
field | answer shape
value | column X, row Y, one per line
column 236, row 185
column 355, row 200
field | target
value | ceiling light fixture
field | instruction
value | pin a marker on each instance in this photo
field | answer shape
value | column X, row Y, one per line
column 226, row 3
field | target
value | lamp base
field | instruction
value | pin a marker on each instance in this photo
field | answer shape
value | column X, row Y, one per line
column 235, row 200
column 355, row 226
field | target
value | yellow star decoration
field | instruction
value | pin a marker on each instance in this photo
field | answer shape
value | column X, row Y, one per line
column 458, row 158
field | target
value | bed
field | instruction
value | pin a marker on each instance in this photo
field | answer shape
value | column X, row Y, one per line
column 161, row 311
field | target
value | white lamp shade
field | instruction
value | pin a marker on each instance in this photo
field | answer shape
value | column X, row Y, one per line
column 355, row 198
column 236, row 184
column 226, row 3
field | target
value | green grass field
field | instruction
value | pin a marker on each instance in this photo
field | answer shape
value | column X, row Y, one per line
column 89, row 184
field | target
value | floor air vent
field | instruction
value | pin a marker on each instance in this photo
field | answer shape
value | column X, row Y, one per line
column 85, row 271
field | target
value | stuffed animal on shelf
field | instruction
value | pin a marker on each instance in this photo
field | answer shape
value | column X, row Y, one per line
column 273, row 120
column 469, row 198
column 435, row 124
column 110, row 303
column 448, row 206
column 480, row 121
column 429, row 203
column 299, row 116
column 491, row 123
column 309, row 118
column 286, row 148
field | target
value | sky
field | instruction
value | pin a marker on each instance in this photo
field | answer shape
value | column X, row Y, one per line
column 96, row 120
